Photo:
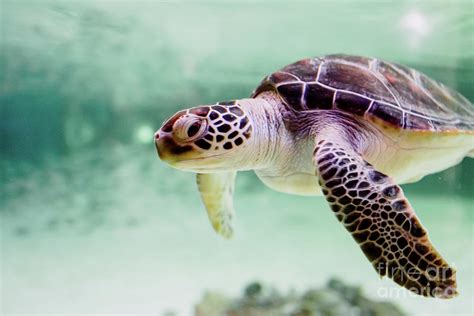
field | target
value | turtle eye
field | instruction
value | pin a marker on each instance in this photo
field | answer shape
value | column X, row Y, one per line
column 189, row 128
column 194, row 128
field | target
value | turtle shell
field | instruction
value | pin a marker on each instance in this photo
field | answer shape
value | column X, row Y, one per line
column 370, row 88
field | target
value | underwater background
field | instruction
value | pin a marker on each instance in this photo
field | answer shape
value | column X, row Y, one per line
column 93, row 222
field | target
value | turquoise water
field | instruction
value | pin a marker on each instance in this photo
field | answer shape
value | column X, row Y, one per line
column 92, row 221
column 126, row 234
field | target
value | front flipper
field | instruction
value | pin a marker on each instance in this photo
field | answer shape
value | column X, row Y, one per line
column 375, row 211
column 216, row 193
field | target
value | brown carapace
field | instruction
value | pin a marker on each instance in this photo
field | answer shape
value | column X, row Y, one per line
column 371, row 88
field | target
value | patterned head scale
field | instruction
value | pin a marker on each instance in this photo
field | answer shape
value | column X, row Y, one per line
column 212, row 129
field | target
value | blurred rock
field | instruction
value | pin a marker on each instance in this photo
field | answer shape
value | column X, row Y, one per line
column 212, row 304
column 336, row 298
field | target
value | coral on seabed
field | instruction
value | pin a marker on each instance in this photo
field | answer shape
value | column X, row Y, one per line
column 335, row 299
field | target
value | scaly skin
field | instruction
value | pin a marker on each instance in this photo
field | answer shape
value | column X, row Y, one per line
column 210, row 138
column 381, row 220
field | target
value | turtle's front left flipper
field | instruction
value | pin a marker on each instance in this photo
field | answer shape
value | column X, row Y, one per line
column 216, row 193
column 379, row 217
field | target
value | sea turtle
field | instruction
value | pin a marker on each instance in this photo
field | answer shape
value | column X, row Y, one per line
column 347, row 127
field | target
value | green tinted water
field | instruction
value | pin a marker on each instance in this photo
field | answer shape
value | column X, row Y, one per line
column 92, row 222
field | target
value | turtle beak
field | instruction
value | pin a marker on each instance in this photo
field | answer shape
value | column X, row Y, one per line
column 158, row 144
column 168, row 150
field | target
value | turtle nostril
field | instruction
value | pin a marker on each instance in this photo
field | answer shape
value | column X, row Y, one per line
column 157, row 136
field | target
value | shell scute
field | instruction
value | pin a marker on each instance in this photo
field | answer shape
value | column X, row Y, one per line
column 387, row 113
column 352, row 103
column 445, row 98
column 318, row 97
column 357, row 60
column 292, row 94
column 416, row 122
column 280, row 76
column 356, row 79
column 409, row 93
column 305, row 70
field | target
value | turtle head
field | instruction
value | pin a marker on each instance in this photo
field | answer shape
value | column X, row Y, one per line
column 205, row 138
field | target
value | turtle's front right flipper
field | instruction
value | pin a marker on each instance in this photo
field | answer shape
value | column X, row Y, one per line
column 379, row 217
column 216, row 193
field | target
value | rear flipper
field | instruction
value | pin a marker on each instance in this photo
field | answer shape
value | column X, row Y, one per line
column 379, row 217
